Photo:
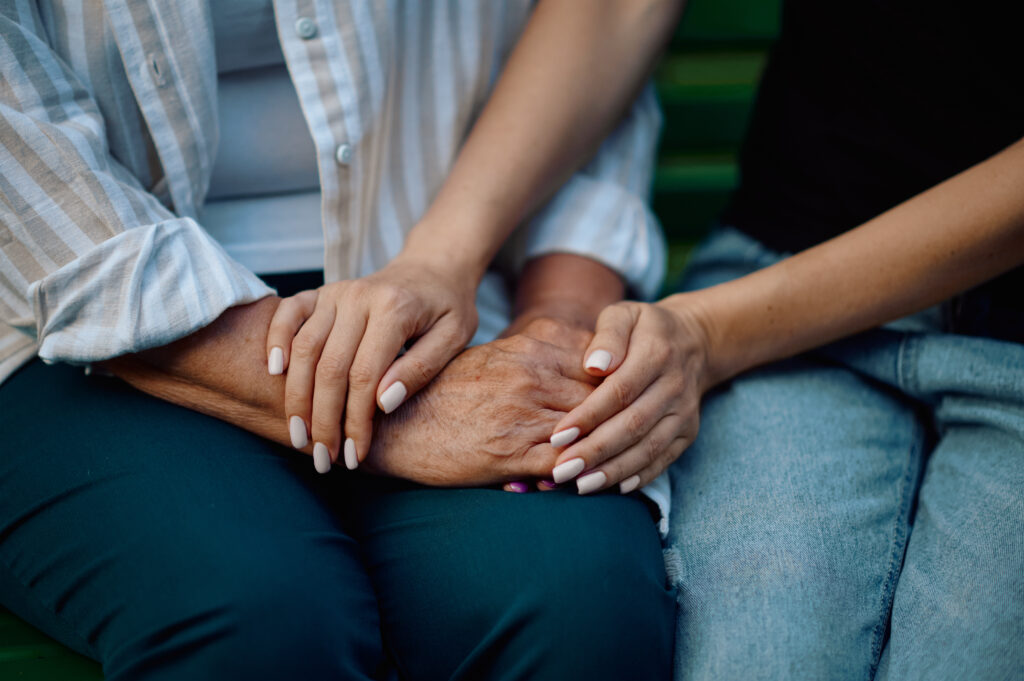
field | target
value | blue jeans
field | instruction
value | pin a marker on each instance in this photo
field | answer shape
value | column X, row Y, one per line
column 856, row 512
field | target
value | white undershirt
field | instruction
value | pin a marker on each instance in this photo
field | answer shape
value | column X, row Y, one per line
column 263, row 204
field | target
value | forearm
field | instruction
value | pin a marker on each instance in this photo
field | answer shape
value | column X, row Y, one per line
column 219, row 371
column 568, row 287
column 544, row 119
column 956, row 235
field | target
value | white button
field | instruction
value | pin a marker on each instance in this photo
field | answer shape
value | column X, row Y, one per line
column 305, row 28
column 343, row 154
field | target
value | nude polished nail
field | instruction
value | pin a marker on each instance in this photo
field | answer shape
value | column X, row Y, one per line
column 351, row 459
column 391, row 398
column 567, row 470
column 599, row 359
column 591, row 482
column 275, row 362
column 321, row 458
column 564, row 437
column 297, row 431
column 629, row 484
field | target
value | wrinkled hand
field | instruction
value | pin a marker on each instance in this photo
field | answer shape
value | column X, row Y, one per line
column 488, row 416
column 339, row 346
column 647, row 409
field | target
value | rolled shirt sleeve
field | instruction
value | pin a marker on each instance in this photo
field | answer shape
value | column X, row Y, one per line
column 91, row 265
column 603, row 212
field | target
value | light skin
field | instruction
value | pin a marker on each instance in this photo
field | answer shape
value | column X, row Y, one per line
column 484, row 420
column 338, row 345
column 664, row 357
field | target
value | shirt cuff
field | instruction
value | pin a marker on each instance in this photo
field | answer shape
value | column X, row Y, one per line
column 143, row 288
column 603, row 221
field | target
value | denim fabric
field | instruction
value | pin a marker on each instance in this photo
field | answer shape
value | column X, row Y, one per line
column 855, row 512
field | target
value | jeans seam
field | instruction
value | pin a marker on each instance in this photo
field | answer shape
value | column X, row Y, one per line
column 900, row 534
column 906, row 374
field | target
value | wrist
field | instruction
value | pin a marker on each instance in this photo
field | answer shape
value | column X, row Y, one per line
column 457, row 244
column 699, row 321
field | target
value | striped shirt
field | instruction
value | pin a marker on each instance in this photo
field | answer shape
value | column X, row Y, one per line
column 109, row 130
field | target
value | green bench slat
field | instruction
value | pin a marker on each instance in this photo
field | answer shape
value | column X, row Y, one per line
column 707, row 98
column 714, row 23
column 28, row 654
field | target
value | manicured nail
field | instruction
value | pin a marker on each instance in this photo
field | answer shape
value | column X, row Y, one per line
column 351, row 460
column 567, row 470
column 599, row 359
column 629, row 484
column 548, row 484
column 591, row 482
column 275, row 363
column 297, row 429
column 564, row 437
column 392, row 397
column 517, row 487
column 321, row 458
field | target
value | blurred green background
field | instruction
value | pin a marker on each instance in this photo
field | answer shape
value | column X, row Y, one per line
column 706, row 84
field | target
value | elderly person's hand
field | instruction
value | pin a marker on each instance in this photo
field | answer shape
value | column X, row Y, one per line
column 339, row 345
column 487, row 417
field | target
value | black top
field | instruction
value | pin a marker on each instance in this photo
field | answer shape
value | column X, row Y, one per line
column 865, row 104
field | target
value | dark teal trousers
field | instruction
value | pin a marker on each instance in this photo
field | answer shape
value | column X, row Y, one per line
column 170, row 545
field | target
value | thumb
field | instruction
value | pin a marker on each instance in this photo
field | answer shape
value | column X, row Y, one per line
column 421, row 363
column 608, row 347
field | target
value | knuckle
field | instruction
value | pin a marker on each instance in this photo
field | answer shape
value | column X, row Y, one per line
column 622, row 393
column 636, row 424
column 360, row 376
column 304, row 347
column 331, row 369
column 418, row 370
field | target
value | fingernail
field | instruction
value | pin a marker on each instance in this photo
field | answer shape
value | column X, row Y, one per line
column 629, row 484
column 351, row 460
column 517, row 487
column 564, row 437
column 549, row 484
column 567, row 470
column 275, row 363
column 591, row 482
column 599, row 359
column 321, row 458
column 392, row 397
column 297, row 430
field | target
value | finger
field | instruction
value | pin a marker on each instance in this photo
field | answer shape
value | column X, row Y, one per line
column 331, row 386
column 612, row 437
column 641, row 463
column 615, row 394
column 610, row 343
column 298, row 387
column 421, row 363
column 378, row 348
column 288, row 318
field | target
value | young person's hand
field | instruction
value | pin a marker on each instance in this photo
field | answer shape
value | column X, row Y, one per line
column 646, row 411
column 340, row 347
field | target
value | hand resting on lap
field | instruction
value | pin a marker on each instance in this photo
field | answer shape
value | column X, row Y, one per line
column 488, row 415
